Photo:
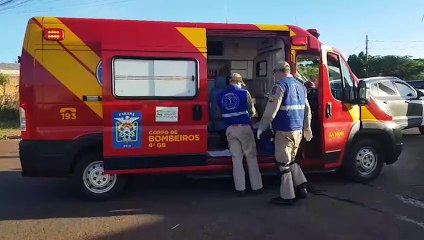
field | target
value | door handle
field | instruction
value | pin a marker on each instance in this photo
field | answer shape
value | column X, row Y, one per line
column 329, row 110
column 197, row 112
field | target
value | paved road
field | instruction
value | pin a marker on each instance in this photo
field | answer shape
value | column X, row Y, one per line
column 174, row 207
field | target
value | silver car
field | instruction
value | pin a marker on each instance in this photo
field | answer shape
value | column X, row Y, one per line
column 399, row 100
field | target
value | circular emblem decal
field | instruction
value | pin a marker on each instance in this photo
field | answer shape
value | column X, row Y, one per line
column 99, row 73
column 230, row 101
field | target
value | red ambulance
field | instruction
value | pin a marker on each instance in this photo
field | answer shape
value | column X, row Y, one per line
column 101, row 99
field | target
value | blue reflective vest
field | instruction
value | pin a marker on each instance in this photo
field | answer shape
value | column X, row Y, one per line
column 292, row 109
column 232, row 102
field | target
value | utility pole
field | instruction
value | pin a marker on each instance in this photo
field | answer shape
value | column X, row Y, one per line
column 366, row 55
column 366, row 48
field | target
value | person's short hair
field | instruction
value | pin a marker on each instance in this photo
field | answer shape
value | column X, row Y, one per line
column 282, row 66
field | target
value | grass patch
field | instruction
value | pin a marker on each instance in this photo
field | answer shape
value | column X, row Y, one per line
column 9, row 122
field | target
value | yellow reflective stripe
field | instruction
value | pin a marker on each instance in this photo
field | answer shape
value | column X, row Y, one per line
column 367, row 115
column 196, row 36
column 65, row 68
column 299, row 47
column 73, row 43
column 353, row 111
column 272, row 27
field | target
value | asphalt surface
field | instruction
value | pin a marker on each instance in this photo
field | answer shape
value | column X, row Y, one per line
column 176, row 207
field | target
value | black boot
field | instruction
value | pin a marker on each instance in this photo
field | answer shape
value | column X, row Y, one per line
column 282, row 201
column 301, row 193
column 241, row 193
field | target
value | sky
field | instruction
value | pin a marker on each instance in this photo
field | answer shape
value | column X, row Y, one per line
column 393, row 27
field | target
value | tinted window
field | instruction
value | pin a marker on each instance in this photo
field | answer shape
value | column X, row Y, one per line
column 416, row 84
column 386, row 89
column 374, row 89
column 405, row 90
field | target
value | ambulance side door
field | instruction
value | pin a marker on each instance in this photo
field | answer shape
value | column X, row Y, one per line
column 339, row 112
column 155, row 102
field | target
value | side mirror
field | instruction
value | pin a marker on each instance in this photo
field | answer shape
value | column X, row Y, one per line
column 349, row 95
column 363, row 96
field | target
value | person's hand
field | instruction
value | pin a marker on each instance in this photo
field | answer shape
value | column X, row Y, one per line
column 258, row 134
column 254, row 120
column 307, row 134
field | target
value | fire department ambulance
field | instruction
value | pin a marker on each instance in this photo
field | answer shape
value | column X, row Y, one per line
column 100, row 99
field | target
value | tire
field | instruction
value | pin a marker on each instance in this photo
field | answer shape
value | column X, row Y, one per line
column 88, row 170
column 364, row 162
column 421, row 130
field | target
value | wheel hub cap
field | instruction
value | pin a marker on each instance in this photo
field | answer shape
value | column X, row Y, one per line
column 95, row 180
column 366, row 160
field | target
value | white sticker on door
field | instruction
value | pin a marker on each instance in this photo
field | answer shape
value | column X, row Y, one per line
column 166, row 114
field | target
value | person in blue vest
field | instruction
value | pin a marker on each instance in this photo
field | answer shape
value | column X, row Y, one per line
column 236, row 107
column 289, row 113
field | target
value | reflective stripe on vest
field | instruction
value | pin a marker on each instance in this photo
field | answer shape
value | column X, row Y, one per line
column 292, row 107
column 228, row 115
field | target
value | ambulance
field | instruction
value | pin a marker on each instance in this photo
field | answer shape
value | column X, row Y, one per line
column 102, row 99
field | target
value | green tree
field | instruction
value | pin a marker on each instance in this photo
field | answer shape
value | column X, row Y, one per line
column 4, row 80
column 358, row 64
column 403, row 67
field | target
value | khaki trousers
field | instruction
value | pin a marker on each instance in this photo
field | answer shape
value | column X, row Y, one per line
column 286, row 146
column 242, row 143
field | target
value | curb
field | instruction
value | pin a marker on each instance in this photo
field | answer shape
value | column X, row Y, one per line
column 13, row 137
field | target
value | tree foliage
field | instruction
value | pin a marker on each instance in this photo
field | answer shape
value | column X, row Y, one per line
column 403, row 67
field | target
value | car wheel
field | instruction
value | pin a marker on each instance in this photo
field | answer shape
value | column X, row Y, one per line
column 364, row 161
column 92, row 183
column 421, row 130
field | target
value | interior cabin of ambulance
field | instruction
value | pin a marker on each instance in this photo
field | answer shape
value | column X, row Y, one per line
column 254, row 58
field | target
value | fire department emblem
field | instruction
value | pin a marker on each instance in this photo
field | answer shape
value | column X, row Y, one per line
column 230, row 101
column 127, row 129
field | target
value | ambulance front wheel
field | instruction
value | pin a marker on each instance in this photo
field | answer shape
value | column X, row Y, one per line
column 91, row 182
column 364, row 161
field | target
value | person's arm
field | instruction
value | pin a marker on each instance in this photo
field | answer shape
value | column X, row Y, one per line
column 272, row 107
column 308, row 116
column 250, row 107
column 307, row 131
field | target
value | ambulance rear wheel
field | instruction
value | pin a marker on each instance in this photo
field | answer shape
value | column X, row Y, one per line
column 91, row 182
column 364, row 162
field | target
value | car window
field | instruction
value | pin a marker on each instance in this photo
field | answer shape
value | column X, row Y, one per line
column 374, row 89
column 386, row 89
column 405, row 90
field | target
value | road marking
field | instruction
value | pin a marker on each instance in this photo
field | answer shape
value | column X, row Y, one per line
column 406, row 219
column 410, row 201
column 175, row 226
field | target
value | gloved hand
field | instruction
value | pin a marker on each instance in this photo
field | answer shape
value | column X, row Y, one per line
column 258, row 134
column 307, row 134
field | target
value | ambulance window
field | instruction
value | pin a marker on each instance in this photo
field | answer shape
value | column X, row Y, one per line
column 335, row 76
column 155, row 78
column 307, row 67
